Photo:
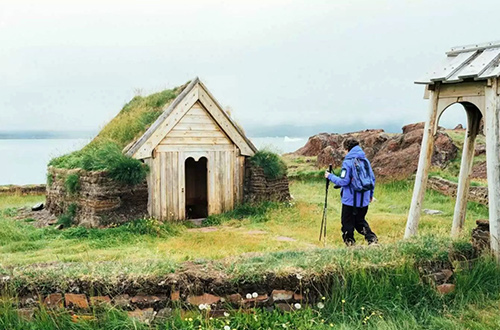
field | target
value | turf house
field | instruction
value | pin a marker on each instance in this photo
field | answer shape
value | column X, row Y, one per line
column 173, row 155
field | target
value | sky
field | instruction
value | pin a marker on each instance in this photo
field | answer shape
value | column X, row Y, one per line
column 72, row 65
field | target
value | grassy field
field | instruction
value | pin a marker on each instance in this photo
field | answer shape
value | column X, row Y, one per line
column 380, row 289
column 299, row 221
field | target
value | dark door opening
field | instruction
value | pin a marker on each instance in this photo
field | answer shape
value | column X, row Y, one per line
column 196, row 188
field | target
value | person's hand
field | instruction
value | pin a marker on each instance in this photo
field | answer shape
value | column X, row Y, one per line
column 327, row 174
column 371, row 199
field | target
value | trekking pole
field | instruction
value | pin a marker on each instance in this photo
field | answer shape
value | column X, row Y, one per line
column 322, row 233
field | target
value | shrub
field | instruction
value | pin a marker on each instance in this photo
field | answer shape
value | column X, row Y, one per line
column 272, row 164
column 50, row 179
column 67, row 218
column 105, row 156
column 72, row 183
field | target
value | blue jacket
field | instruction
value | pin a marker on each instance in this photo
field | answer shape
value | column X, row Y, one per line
column 347, row 191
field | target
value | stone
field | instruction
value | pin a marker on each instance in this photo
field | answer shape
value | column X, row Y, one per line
column 445, row 288
column 74, row 300
column 459, row 127
column 479, row 171
column 175, row 296
column 432, row 212
column 54, row 300
column 260, row 300
column 234, row 298
column 206, row 298
column 479, row 149
column 143, row 315
column 394, row 156
column 37, row 207
column 164, row 313
column 28, row 301
column 298, row 297
column 284, row 307
column 100, row 300
column 329, row 155
column 26, row 313
column 144, row 300
column 122, row 301
column 281, row 295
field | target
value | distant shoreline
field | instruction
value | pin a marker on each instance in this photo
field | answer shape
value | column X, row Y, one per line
column 46, row 135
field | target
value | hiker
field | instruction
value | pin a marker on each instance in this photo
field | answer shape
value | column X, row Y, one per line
column 357, row 183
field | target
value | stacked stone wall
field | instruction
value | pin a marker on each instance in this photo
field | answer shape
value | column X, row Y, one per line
column 99, row 200
column 476, row 194
column 37, row 189
column 258, row 188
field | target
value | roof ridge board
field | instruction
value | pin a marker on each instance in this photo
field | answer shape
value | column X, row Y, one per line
column 138, row 143
column 466, row 48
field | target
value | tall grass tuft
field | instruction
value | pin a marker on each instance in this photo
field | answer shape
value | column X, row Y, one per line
column 72, row 183
column 274, row 167
column 104, row 156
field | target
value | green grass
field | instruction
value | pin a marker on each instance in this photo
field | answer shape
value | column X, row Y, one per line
column 272, row 164
column 102, row 156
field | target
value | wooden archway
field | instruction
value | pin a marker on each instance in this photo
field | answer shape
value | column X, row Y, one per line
column 470, row 76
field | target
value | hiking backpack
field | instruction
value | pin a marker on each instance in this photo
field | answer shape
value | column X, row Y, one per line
column 362, row 180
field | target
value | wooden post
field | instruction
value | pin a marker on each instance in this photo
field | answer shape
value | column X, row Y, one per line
column 492, row 127
column 473, row 118
column 423, row 166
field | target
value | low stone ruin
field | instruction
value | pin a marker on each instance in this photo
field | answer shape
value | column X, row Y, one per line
column 99, row 200
column 477, row 194
column 258, row 188
column 481, row 236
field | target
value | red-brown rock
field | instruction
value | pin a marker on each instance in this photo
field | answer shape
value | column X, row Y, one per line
column 445, row 288
column 175, row 296
column 234, row 298
column 76, row 301
column 206, row 298
column 54, row 300
column 143, row 315
column 479, row 171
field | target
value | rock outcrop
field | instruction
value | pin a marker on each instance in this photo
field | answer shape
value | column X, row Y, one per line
column 392, row 155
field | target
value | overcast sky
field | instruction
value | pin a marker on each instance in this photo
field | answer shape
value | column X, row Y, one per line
column 68, row 65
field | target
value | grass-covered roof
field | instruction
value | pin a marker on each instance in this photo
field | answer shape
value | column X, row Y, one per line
column 104, row 152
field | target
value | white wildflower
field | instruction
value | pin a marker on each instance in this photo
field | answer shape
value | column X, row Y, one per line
column 227, row 327
column 202, row 307
column 299, row 277
column 321, row 305
column 297, row 306
column 226, row 314
column 255, row 295
column 249, row 296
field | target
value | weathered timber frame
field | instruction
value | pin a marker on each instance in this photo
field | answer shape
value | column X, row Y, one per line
column 469, row 77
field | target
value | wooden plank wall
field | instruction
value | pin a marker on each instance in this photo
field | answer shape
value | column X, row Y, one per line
column 196, row 135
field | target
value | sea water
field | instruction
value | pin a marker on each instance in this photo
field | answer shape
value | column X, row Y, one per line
column 24, row 161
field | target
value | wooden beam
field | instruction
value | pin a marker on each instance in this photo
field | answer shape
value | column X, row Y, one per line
column 423, row 166
column 492, row 130
column 473, row 119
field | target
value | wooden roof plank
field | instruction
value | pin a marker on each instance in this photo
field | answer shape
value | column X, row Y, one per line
column 477, row 66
